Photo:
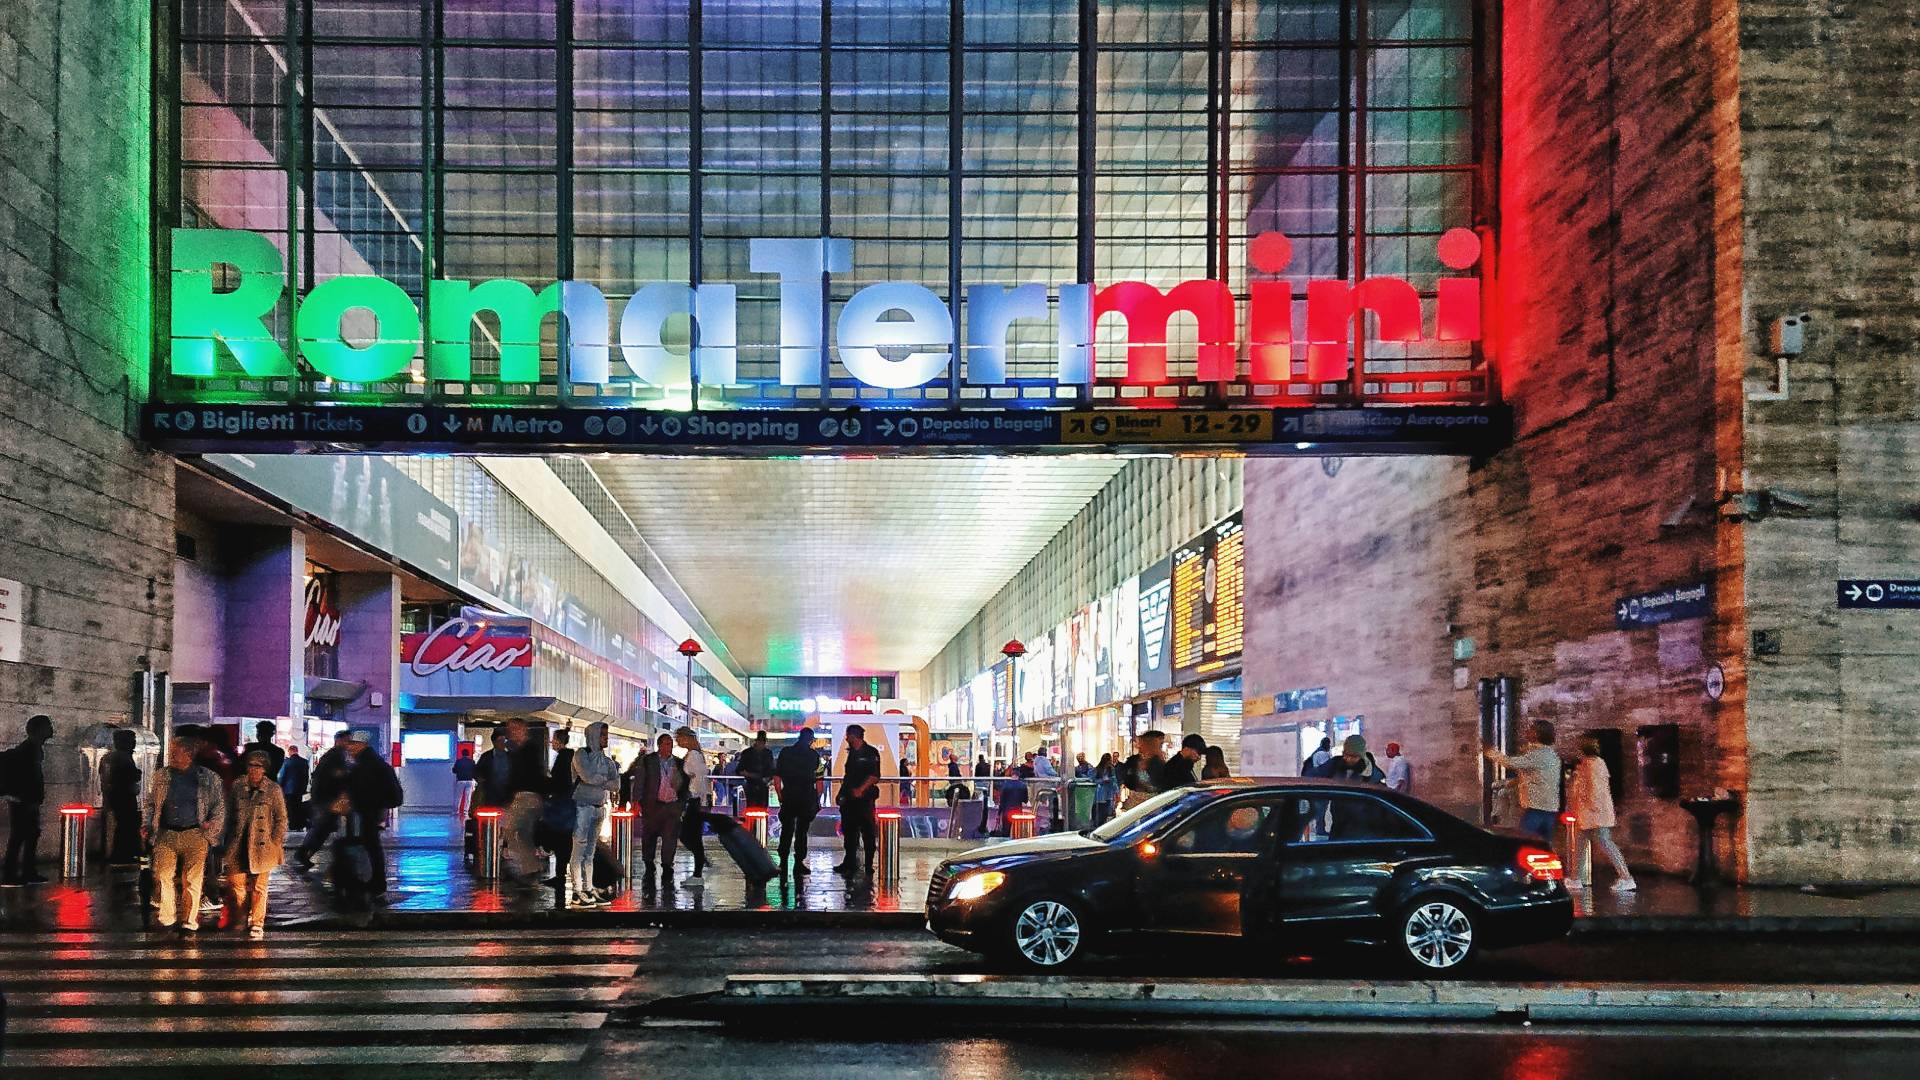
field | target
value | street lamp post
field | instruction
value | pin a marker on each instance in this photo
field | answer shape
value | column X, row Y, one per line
column 690, row 649
column 1013, row 651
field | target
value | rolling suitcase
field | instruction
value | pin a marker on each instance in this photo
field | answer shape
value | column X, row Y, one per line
column 747, row 854
column 606, row 869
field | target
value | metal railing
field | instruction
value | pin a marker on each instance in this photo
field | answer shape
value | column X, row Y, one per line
column 1055, row 800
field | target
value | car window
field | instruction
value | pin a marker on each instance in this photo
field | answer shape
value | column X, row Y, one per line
column 1240, row 829
column 1345, row 818
column 1162, row 809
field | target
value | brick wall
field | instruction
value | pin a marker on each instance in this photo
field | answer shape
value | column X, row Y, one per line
column 85, row 514
column 1615, row 163
column 1829, row 228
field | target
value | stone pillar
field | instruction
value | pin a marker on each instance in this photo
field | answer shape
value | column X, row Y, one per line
column 370, row 651
column 264, row 674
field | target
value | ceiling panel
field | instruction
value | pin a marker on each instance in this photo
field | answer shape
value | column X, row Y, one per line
column 833, row 566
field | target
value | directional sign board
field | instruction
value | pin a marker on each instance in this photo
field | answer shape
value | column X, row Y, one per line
column 269, row 428
column 1690, row 601
column 1875, row 593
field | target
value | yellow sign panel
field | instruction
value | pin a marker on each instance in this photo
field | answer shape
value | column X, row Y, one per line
column 1166, row 426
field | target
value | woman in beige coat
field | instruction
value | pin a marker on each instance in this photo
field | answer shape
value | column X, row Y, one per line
column 256, row 841
column 1590, row 800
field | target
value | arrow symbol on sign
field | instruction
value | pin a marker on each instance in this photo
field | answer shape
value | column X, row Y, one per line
column 886, row 427
column 452, row 424
column 1853, row 592
column 648, row 425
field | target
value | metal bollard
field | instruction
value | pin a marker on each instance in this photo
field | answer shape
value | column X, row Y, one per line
column 1567, row 833
column 623, row 846
column 486, row 830
column 1020, row 824
column 889, row 854
column 73, row 841
column 757, row 822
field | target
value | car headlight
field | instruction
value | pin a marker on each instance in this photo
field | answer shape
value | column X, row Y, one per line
column 974, row 886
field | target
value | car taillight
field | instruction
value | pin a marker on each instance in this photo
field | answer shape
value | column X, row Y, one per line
column 1541, row 864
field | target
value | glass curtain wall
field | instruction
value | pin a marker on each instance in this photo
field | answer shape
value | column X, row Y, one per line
column 959, row 142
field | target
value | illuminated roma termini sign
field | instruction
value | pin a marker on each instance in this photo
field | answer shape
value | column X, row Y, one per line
column 226, row 284
column 350, row 366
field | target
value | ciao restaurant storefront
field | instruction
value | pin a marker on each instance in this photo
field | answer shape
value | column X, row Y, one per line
column 1256, row 227
column 473, row 670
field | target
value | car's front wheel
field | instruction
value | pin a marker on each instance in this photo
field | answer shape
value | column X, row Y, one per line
column 1045, row 934
column 1437, row 934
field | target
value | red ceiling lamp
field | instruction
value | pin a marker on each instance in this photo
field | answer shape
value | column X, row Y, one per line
column 1013, row 650
column 690, row 649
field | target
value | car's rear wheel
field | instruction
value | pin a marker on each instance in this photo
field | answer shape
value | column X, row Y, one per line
column 1045, row 934
column 1437, row 934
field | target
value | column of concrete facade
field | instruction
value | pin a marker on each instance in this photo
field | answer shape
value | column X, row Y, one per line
column 264, row 671
column 370, row 653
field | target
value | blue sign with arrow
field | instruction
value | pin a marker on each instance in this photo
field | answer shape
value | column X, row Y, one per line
column 1875, row 593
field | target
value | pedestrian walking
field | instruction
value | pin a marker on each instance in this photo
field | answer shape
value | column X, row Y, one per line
column 1355, row 764
column 1590, row 801
column 263, row 733
column 797, row 783
column 859, row 791
column 373, row 788
column 1106, row 789
column 257, row 840
column 983, row 783
column 494, row 769
column 1183, row 768
column 595, row 778
column 1144, row 774
column 1082, row 770
column 693, row 822
column 527, row 785
column 658, row 784
column 329, row 784
column 120, row 793
column 185, row 813
column 464, row 771
column 1013, row 796
column 1399, row 770
column 294, row 774
column 559, row 814
column 756, row 765
column 1317, row 763
column 23, row 783
column 1537, row 768
column 1215, row 764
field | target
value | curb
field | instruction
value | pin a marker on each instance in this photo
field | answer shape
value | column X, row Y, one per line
column 966, row 997
column 1597, row 927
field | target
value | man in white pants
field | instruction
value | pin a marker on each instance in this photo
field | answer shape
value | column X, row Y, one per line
column 596, row 778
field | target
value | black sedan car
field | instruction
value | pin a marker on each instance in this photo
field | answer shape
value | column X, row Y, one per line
column 1294, row 866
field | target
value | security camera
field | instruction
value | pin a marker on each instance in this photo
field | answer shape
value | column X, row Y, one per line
column 1739, row 506
column 1788, row 502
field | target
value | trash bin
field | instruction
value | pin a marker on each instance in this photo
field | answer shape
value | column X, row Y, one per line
column 1082, row 801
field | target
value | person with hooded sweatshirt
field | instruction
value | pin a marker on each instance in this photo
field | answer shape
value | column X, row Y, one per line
column 595, row 778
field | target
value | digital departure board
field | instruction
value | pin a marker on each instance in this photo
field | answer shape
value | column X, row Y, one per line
column 1209, row 601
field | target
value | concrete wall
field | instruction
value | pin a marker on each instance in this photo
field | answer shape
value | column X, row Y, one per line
column 1830, row 228
column 199, row 606
column 1616, row 156
column 86, row 516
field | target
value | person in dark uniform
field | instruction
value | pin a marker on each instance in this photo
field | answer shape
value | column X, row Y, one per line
column 859, row 791
column 756, row 764
column 294, row 773
column 1183, row 768
column 263, row 733
column 797, row 775
column 120, row 791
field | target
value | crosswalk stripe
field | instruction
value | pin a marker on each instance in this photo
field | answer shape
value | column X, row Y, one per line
column 126, row 1058
column 279, row 952
column 284, row 1025
column 26, row 1002
column 198, row 973
column 439, row 1001
column 22, row 942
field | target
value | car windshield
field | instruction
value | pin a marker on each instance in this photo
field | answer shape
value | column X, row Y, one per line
column 1148, row 816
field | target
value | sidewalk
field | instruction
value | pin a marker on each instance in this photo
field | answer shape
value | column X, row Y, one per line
column 431, row 884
